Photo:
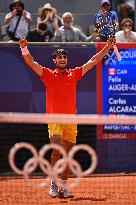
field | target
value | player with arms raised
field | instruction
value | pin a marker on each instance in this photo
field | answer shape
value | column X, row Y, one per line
column 61, row 98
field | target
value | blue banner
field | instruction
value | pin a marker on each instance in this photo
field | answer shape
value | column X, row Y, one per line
column 118, row 88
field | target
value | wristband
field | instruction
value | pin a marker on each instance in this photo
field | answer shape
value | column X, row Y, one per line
column 24, row 51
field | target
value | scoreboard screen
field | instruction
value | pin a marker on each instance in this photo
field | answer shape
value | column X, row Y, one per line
column 116, row 89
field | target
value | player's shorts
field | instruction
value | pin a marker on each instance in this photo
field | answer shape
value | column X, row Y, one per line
column 68, row 132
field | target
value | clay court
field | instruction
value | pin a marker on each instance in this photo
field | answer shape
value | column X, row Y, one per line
column 102, row 190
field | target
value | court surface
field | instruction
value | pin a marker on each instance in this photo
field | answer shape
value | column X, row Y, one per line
column 103, row 190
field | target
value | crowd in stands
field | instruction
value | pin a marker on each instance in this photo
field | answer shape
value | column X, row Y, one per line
column 51, row 27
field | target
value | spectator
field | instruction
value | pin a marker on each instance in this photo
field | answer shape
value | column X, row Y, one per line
column 106, row 6
column 3, row 34
column 17, row 21
column 58, row 17
column 126, row 34
column 41, row 34
column 69, row 33
column 127, row 8
column 48, row 15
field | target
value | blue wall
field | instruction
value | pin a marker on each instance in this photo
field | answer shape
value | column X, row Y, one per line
column 22, row 91
column 116, row 156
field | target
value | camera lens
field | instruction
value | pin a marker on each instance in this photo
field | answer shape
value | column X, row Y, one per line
column 19, row 12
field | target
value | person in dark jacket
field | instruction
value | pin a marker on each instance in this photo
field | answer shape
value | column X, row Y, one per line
column 40, row 34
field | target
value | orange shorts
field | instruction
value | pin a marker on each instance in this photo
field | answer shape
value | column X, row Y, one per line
column 68, row 132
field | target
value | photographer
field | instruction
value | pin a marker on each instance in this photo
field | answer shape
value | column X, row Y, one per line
column 17, row 21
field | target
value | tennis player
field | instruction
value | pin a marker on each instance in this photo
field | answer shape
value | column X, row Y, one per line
column 61, row 98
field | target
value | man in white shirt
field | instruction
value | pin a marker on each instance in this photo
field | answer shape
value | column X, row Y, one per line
column 70, row 33
column 126, row 34
column 20, row 15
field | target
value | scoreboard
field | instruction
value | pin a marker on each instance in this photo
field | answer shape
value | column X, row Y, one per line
column 116, row 90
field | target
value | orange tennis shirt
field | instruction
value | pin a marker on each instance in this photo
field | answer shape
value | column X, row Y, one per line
column 61, row 90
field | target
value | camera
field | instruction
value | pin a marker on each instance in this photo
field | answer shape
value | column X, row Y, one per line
column 19, row 12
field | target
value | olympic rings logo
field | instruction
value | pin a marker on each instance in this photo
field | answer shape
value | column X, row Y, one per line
column 38, row 159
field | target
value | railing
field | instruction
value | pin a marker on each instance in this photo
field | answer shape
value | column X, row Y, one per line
column 50, row 43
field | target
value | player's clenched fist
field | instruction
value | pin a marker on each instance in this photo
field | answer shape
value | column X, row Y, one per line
column 23, row 46
column 22, row 42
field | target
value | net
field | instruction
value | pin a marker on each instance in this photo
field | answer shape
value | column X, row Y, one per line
column 112, row 180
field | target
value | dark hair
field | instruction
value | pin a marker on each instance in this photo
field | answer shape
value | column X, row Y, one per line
column 59, row 52
column 14, row 2
column 42, row 26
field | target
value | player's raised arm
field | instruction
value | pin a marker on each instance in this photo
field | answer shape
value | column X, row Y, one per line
column 28, row 58
column 99, row 56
